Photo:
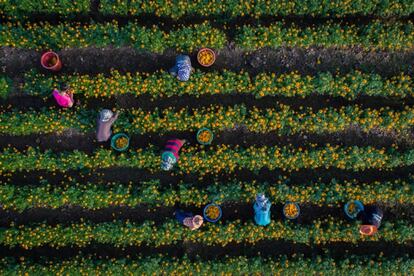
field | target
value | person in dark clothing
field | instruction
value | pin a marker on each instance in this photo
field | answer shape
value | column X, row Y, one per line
column 371, row 218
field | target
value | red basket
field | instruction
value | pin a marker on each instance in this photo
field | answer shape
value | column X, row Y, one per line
column 51, row 61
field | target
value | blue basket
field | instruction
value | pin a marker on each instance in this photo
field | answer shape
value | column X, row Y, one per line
column 359, row 205
column 209, row 219
column 117, row 136
column 297, row 207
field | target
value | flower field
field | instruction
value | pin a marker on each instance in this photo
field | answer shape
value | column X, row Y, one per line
column 341, row 129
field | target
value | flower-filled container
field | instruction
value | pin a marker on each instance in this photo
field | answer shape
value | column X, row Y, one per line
column 212, row 212
column 120, row 142
column 204, row 136
column 291, row 210
column 206, row 57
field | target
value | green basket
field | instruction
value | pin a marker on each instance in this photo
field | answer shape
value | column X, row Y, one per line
column 116, row 137
column 199, row 132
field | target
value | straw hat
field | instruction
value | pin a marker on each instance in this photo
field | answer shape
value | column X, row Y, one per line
column 105, row 115
column 197, row 221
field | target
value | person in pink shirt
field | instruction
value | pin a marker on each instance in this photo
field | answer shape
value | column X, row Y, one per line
column 64, row 98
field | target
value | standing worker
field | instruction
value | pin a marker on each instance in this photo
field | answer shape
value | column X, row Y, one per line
column 105, row 120
column 64, row 98
column 371, row 217
column 182, row 68
column 262, row 210
column 170, row 155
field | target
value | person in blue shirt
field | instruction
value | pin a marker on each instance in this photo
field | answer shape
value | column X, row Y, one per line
column 262, row 210
column 182, row 68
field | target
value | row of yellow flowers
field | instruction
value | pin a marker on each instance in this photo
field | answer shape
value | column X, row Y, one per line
column 121, row 234
column 161, row 84
column 150, row 193
column 164, row 265
column 374, row 35
column 232, row 8
column 216, row 160
column 284, row 120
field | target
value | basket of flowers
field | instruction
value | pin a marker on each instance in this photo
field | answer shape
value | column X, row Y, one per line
column 352, row 208
column 120, row 142
column 212, row 212
column 206, row 57
column 204, row 136
column 291, row 210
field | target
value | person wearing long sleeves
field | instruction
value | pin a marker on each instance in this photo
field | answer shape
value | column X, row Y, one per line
column 262, row 210
column 170, row 155
column 106, row 119
column 182, row 68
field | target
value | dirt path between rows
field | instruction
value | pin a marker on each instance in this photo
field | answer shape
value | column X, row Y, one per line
column 231, row 211
column 70, row 140
column 135, row 175
column 91, row 60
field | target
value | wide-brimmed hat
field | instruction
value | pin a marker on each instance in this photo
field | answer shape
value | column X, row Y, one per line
column 197, row 221
column 105, row 115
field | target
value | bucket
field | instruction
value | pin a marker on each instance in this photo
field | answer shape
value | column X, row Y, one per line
column 358, row 208
column 208, row 54
column 286, row 211
column 207, row 140
column 114, row 142
column 51, row 61
column 205, row 212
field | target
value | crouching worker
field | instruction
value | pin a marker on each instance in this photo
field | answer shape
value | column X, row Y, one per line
column 371, row 217
column 187, row 218
column 262, row 210
column 170, row 155
column 64, row 98
column 106, row 119
column 182, row 68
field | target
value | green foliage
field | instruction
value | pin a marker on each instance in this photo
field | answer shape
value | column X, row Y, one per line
column 161, row 84
column 214, row 161
column 121, row 234
column 232, row 8
column 5, row 86
column 282, row 119
column 151, row 193
column 374, row 35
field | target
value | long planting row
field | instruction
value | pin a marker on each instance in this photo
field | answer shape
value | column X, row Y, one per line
column 162, row 84
column 121, row 234
column 161, row 265
column 19, row 9
column 220, row 159
column 94, row 196
column 374, row 35
column 349, row 265
column 234, row 8
column 230, row 8
column 283, row 120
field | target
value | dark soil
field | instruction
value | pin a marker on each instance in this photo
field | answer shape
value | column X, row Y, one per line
column 336, row 250
column 127, row 175
column 70, row 141
column 146, row 102
column 279, row 60
column 231, row 211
